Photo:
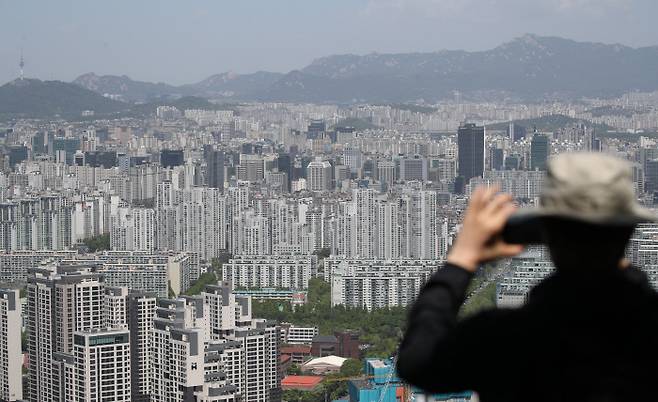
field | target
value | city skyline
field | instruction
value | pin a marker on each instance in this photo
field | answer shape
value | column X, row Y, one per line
column 261, row 36
column 254, row 201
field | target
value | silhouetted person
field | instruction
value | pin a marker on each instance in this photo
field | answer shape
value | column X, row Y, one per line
column 589, row 332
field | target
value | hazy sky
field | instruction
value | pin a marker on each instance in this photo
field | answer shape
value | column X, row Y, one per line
column 186, row 41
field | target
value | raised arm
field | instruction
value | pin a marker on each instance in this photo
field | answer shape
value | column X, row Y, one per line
column 436, row 349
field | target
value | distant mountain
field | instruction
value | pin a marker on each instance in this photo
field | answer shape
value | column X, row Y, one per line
column 232, row 85
column 218, row 86
column 35, row 98
column 529, row 67
column 551, row 123
column 128, row 89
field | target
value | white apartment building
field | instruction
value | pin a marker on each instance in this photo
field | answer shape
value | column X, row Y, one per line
column 251, row 234
column 260, row 345
column 133, row 229
column 141, row 312
column 140, row 277
column 150, row 272
column 269, row 271
column 642, row 251
column 102, row 366
column 210, row 347
column 191, row 220
column 178, row 339
column 405, row 225
column 15, row 264
column 520, row 183
column 372, row 283
column 79, row 295
column 298, row 335
column 525, row 273
column 319, row 176
column 11, row 359
column 116, row 307
column 42, row 223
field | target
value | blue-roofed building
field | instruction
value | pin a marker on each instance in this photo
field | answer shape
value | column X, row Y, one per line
column 381, row 384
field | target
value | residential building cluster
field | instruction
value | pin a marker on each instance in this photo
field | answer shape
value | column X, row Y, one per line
column 278, row 194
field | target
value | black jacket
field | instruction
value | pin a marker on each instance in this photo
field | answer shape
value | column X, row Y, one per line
column 580, row 337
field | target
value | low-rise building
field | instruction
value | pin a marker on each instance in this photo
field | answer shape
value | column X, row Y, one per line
column 371, row 283
column 301, row 382
column 269, row 271
column 298, row 335
column 324, row 365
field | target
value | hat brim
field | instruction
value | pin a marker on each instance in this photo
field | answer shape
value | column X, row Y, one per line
column 636, row 216
column 526, row 226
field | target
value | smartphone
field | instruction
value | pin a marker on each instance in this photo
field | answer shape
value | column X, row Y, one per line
column 523, row 228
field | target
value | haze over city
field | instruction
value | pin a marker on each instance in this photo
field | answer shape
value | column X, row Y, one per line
column 184, row 42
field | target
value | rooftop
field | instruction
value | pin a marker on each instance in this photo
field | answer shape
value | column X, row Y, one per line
column 330, row 360
column 301, row 381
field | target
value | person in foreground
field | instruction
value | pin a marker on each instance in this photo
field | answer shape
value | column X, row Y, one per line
column 589, row 332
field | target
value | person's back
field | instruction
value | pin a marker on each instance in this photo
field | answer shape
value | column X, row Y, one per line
column 586, row 333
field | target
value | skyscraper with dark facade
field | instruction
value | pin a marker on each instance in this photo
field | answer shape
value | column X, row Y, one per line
column 516, row 132
column 539, row 150
column 215, row 168
column 284, row 164
column 172, row 157
column 496, row 158
column 470, row 143
column 17, row 154
column 316, row 129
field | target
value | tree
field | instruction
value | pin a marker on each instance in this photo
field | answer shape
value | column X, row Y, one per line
column 294, row 370
column 351, row 368
column 323, row 252
column 199, row 285
column 98, row 243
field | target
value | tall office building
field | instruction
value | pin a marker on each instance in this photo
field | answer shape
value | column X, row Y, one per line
column 470, row 143
column 539, row 151
column 251, row 168
column 413, row 169
column 11, row 360
column 172, row 157
column 386, row 172
column 516, row 132
column 316, row 129
column 496, row 158
column 215, row 169
column 353, row 158
column 284, row 163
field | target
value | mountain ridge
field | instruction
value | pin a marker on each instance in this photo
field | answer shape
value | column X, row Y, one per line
column 36, row 98
column 530, row 67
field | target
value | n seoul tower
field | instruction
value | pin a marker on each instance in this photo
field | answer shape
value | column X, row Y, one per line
column 21, row 65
